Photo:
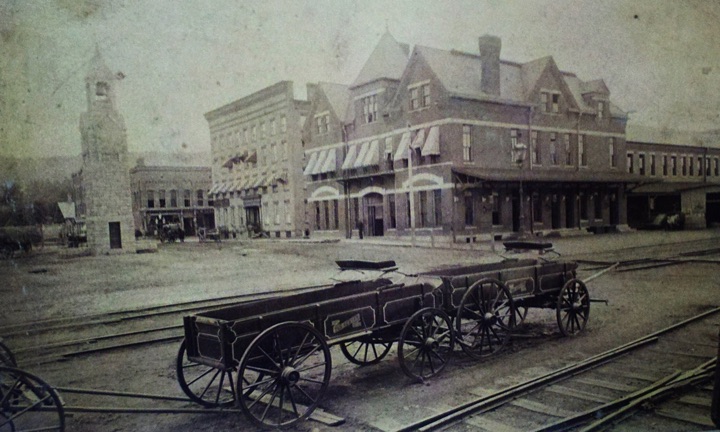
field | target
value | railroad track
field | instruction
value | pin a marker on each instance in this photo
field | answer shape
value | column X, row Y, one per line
column 46, row 341
column 658, row 382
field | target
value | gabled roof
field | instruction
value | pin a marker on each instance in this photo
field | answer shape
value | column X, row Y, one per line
column 575, row 86
column 531, row 73
column 594, row 86
column 388, row 60
column 338, row 96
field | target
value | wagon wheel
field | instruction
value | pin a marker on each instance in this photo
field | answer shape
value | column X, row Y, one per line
column 206, row 385
column 365, row 351
column 28, row 403
column 6, row 356
column 426, row 342
column 485, row 318
column 285, row 372
column 573, row 307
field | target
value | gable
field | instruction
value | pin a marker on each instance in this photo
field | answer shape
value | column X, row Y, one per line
column 549, row 78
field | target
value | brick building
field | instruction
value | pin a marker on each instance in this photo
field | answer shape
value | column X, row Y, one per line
column 171, row 194
column 257, row 152
column 463, row 145
column 103, row 184
column 680, row 173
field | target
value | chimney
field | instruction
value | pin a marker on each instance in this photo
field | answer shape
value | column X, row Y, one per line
column 490, row 58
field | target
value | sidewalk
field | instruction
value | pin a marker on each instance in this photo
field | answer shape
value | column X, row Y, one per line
column 565, row 245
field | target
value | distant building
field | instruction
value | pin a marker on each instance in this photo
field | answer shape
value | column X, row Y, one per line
column 464, row 144
column 257, row 152
column 171, row 194
column 103, row 185
column 680, row 174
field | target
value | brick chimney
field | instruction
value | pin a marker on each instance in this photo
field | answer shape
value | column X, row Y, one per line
column 490, row 58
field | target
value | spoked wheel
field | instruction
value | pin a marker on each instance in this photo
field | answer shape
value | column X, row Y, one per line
column 28, row 403
column 485, row 318
column 206, row 385
column 365, row 351
column 284, row 373
column 6, row 356
column 426, row 343
column 573, row 307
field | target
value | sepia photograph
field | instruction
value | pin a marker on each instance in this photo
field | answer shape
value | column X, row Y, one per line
column 346, row 215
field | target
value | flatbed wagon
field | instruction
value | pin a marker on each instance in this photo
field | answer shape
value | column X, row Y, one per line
column 272, row 356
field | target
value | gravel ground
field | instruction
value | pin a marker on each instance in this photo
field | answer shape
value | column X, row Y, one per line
column 51, row 283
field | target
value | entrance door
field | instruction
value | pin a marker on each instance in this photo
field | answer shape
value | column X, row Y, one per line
column 515, row 213
column 570, row 211
column 555, row 212
column 115, row 235
column 375, row 220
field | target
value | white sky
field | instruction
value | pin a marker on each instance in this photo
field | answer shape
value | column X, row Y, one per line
column 659, row 58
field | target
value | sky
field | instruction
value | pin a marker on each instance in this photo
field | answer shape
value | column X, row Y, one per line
column 181, row 59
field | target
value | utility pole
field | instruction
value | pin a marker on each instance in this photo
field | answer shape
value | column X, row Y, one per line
column 410, row 189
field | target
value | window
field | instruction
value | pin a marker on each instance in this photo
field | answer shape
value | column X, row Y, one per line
column 683, row 164
column 437, row 201
column 288, row 218
column 652, row 164
column 699, row 166
column 630, row 165
column 513, row 138
column 598, row 207
column 407, row 200
column 369, row 105
column 600, row 110
column 389, row 152
column 326, row 210
column 423, row 208
column 553, row 148
column 496, row 207
column 336, row 216
column 150, row 199
column 317, row 215
column 537, row 208
column 467, row 149
column 568, row 150
column 641, row 164
column 469, row 214
column 173, row 198
column 613, row 157
column 161, row 198
column 199, row 197
column 673, row 164
column 186, row 198
column 419, row 96
column 392, row 223
column 322, row 122
column 664, row 165
column 535, row 148
column 550, row 102
column 707, row 167
column 582, row 158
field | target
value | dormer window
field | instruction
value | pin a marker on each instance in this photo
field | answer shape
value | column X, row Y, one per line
column 322, row 123
column 101, row 89
column 369, row 104
column 419, row 95
column 550, row 102
column 600, row 110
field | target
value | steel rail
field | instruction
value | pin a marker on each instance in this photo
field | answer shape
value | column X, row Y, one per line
column 503, row 396
column 96, row 392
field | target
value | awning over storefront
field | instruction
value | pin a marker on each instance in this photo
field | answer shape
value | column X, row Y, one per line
column 432, row 143
column 372, row 158
column 419, row 140
column 360, row 161
column 223, row 188
column 547, row 175
column 320, row 162
column 402, row 150
column 350, row 157
column 214, row 188
column 311, row 163
column 668, row 187
column 330, row 161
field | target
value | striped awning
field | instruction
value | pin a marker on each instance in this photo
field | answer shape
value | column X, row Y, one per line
column 402, row 150
column 360, row 161
column 419, row 140
column 350, row 157
column 330, row 162
column 311, row 163
column 432, row 144
column 372, row 158
column 320, row 162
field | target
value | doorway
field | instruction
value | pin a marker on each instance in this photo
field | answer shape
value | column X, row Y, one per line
column 115, row 235
column 555, row 212
column 376, row 222
column 570, row 211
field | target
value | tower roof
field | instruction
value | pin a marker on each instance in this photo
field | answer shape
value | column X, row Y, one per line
column 388, row 60
column 98, row 70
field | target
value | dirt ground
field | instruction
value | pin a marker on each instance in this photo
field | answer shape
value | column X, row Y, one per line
column 51, row 283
